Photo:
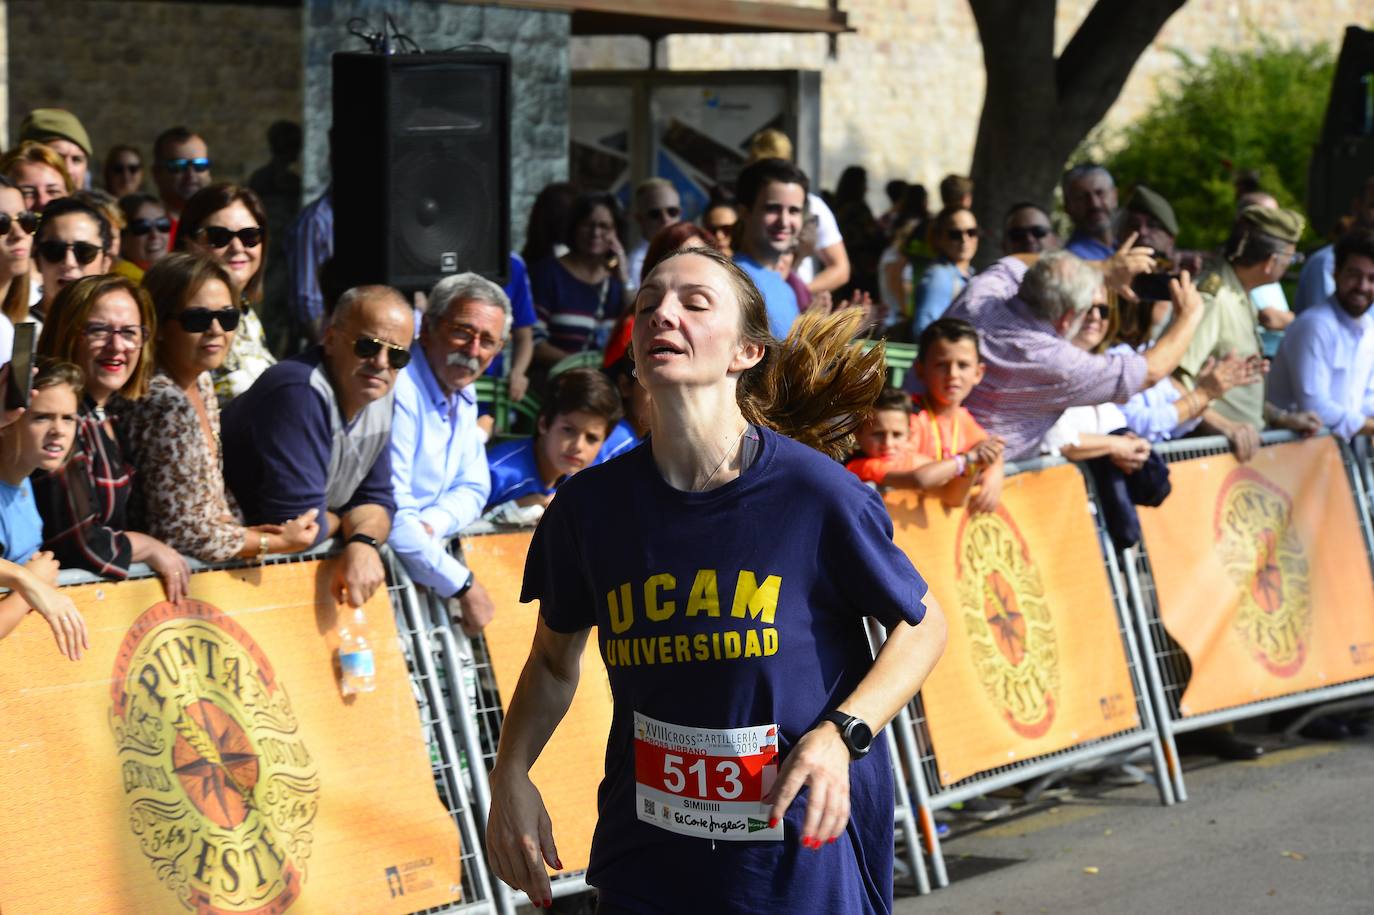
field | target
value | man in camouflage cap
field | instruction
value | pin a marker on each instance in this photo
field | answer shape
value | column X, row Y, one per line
column 1149, row 215
column 1262, row 244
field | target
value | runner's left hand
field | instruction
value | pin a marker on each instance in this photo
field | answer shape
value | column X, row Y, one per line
column 819, row 761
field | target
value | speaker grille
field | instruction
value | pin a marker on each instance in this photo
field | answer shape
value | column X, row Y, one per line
column 441, row 206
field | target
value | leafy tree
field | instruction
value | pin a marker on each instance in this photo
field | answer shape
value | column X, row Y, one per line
column 1235, row 110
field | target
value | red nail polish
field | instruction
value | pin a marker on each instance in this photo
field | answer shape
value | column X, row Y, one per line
column 548, row 903
column 831, row 840
column 558, row 863
column 772, row 823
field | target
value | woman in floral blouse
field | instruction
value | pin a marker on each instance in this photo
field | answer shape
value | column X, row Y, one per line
column 174, row 428
column 227, row 222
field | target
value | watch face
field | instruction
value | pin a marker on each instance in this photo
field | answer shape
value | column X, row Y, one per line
column 860, row 736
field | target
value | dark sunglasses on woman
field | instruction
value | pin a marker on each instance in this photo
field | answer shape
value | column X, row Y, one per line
column 144, row 226
column 28, row 221
column 958, row 234
column 398, row 357
column 220, row 237
column 197, row 320
column 1026, row 233
column 55, row 252
column 126, row 168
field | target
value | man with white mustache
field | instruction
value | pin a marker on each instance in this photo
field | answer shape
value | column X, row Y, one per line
column 438, row 464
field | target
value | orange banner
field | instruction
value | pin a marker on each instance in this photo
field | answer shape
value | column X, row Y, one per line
column 1035, row 661
column 1262, row 575
column 199, row 757
column 573, row 763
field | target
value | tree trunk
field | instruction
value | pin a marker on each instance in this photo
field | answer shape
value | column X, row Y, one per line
column 1038, row 108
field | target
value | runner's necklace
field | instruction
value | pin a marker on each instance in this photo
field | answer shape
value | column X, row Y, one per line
column 697, row 487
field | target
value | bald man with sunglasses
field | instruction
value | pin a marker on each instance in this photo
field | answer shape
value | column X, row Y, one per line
column 313, row 432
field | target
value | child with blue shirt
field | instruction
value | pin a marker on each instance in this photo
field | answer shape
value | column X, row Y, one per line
column 580, row 412
column 40, row 439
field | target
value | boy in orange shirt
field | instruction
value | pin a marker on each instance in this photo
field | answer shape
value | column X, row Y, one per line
column 941, row 448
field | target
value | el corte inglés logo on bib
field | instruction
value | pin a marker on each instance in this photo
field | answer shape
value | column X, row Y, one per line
column 1011, row 631
column 221, row 789
column 1264, row 558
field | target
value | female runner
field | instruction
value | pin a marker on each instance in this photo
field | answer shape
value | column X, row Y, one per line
column 728, row 568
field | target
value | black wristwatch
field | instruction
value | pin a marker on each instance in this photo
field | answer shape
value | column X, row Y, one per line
column 467, row 585
column 855, row 733
column 363, row 538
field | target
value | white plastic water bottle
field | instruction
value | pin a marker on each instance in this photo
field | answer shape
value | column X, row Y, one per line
column 357, row 668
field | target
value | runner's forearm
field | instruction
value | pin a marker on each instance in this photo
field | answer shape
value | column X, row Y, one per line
column 542, row 696
column 902, row 665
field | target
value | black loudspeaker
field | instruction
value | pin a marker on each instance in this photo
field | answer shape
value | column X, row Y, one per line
column 1344, row 158
column 421, row 163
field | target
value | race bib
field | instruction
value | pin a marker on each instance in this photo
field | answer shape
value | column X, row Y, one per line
column 704, row 782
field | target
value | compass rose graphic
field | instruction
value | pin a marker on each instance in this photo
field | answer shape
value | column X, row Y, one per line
column 215, row 762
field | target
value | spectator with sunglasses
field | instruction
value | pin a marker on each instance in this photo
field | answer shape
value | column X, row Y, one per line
column 181, row 167
column 227, row 222
column 107, row 206
column 174, row 429
column 314, row 432
column 73, row 242
column 123, row 171
column 1027, row 230
column 720, row 218
column 657, row 206
column 954, row 238
column 102, row 325
column 147, row 230
column 40, row 173
column 17, row 225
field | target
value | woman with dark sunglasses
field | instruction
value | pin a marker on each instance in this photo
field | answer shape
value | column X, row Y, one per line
column 954, row 238
column 73, row 242
column 227, row 222
column 123, row 171
column 174, row 430
column 17, row 225
column 147, row 230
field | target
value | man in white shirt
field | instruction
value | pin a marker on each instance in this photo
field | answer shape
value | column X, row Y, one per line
column 1326, row 361
column 657, row 206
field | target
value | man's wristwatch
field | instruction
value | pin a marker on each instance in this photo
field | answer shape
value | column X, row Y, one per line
column 467, row 585
column 363, row 538
column 855, row 733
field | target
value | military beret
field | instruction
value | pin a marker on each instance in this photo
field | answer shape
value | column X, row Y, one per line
column 43, row 124
column 1144, row 200
column 1284, row 225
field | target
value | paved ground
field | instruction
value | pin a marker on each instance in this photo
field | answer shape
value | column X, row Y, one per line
column 1291, row 832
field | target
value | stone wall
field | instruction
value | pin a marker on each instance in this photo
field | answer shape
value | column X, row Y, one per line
column 131, row 69
column 903, row 95
column 536, row 41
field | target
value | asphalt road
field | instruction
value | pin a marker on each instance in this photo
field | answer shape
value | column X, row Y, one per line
column 1291, row 832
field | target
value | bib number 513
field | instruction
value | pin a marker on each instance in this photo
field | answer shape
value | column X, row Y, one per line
column 720, row 779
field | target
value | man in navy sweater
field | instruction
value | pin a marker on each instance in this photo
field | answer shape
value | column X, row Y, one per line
column 313, row 432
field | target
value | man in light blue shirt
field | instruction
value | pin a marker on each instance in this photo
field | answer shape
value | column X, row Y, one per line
column 1317, row 281
column 1326, row 361
column 438, row 463
column 1090, row 200
column 772, row 207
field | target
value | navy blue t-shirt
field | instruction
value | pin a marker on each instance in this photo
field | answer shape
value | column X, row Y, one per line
column 738, row 607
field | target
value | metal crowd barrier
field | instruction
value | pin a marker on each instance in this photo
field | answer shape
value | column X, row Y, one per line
column 923, row 767
column 1169, row 669
column 446, row 761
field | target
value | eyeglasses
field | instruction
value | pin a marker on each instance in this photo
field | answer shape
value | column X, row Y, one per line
column 122, row 169
column 100, row 334
column 28, row 221
column 1026, row 233
column 177, row 166
column 722, row 229
column 198, row 320
column 665, row 213
column 144, row 226
column 960, row 234
column 398, row 357
column 220, row 237
column 463, row 335
column 55, row 252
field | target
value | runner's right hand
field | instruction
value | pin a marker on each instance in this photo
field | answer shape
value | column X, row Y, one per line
column 520, row 836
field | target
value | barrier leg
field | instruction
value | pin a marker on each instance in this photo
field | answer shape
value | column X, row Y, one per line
column 906, row 818
column 1162, row 716
column 905, row 729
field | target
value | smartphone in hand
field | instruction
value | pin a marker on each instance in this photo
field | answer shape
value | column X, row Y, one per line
column 21, row 366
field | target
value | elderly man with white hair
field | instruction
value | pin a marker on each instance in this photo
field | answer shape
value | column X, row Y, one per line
column 1026, row 316
column 438, row 464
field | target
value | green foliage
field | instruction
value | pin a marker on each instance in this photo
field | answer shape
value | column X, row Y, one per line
column 1233, row 111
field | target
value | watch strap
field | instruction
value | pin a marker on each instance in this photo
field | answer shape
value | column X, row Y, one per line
column 364, row 538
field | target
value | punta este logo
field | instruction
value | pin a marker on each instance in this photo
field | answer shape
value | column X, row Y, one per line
column 1010, row 629
column 1264, row 558
column 221, row 790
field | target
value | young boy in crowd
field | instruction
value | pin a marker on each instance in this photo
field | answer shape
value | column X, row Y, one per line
column 582, row 408
column 941, row 448
column 40, row 439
